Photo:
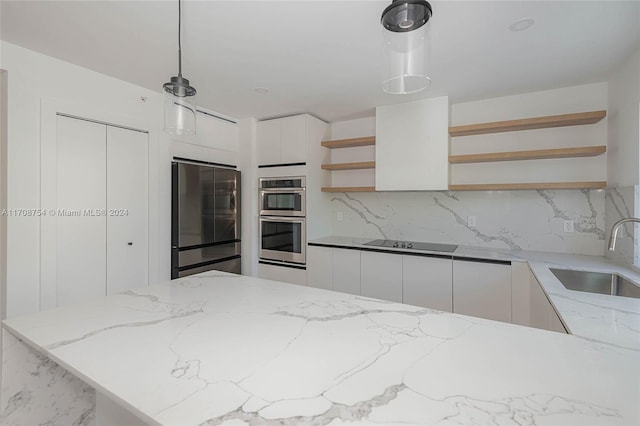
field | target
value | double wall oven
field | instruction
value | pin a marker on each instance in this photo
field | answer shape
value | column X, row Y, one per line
column 283, row 219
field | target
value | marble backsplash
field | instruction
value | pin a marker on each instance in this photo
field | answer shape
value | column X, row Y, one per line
column 528, row 220
column 621, row 203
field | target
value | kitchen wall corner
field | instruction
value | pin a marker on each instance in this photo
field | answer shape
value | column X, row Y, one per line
column 621, row 203
column 249, row 201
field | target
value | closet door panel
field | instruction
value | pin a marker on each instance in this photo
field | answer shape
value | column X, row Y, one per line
column 127, row 210
column 81, row 192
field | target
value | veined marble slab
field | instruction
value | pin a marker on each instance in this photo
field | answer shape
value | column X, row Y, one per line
column 598, row 317
column 518, row 220
column 620, row 203
column 218, row 348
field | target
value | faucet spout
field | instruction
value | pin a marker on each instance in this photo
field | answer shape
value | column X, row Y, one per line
column 614, row 230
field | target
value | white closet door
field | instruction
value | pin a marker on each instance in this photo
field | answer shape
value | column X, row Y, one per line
column 81, row 186
column 127, row 210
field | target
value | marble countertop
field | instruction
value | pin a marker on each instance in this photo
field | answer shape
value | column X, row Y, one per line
column 218, row 348
column 598, row 317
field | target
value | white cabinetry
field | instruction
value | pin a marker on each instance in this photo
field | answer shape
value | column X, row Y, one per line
column 217, row 140
column 482, row 290
column 381, row 276
column 217, row 133
column 282, row 273
column 320, row 267
column 282, row 140
column 542, row 314
column 427, row 282
column 334, row 269
column 412, row 146
column 530, row 305
column 346, row 271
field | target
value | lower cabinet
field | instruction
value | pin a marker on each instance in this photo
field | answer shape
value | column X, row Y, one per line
column 482, row 289
column 541, row 312
column 333, row 269
column 427, row 282
column 381, row 276
column 320, row 267
column 346, row 271
column 282, row 273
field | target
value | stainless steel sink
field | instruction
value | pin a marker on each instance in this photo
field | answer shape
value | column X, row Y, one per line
column 597, row 282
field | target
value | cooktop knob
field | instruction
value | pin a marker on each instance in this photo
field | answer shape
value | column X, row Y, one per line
column 409, row 245
column 395, row 244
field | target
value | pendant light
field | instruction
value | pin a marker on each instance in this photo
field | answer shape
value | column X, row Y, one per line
column 179, row 97
column 406, row 43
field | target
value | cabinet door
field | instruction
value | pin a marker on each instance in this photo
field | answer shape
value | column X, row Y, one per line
column 542, row 314
column 81, row 182
column 346, row 271
column 482, row 290
column 381, row 276
column 282, row 273
column 268, row 140
column 216, row 133
column 293, row 142
column 127, row 210
column 554, row 322
column 427, row 282
column 320, row 267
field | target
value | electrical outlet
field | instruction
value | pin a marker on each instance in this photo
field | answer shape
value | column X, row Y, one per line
column 568, row 226
column 339, row 216
column 471, row 221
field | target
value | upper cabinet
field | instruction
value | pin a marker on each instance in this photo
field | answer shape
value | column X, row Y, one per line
column 216, row 140
column 282, row 141
column 412, row 146
column 217, row 133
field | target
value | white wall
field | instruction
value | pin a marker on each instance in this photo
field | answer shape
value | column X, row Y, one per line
column 248, row 164
column 624, row 128
column 590, row 97
column 3, row 199
column 33, row 78
column 3, row 193
column 624, row 157
column 347, row 130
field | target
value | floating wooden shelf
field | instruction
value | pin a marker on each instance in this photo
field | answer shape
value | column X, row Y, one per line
column 349, row 143
column 529, row 123
column 348, row 188
column 350, row 166
column 512, row 186
column 539, row 154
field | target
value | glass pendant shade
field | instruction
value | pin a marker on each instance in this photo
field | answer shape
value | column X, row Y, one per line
column 179, row 107
column 406, row 46
column 179, row 96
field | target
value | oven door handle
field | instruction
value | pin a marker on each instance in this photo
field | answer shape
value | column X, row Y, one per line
column 282, row 190
column 281, row 219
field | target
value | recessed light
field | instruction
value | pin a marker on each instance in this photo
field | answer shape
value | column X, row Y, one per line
column 521, row 24
column 261, row 90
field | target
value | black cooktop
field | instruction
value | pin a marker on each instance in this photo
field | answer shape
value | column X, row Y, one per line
column 413, row 245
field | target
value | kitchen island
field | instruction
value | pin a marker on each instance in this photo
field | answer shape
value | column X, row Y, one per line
column 218, row 348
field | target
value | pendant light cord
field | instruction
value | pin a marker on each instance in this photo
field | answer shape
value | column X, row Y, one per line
column 179, row 39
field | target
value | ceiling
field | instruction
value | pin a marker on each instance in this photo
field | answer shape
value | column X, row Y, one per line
column 324, row 57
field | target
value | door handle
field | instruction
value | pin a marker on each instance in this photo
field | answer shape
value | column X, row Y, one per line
column 129, row 243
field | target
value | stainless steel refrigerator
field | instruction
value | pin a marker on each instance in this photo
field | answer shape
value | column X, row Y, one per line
column 205, row 219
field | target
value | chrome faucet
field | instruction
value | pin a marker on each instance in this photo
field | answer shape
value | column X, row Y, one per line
column 614, row 230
